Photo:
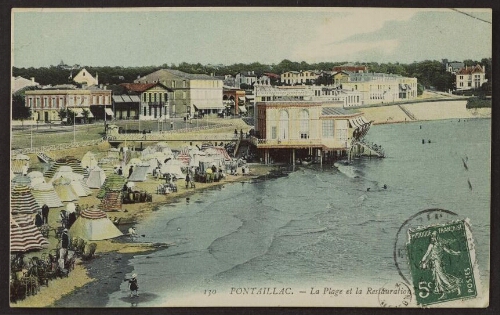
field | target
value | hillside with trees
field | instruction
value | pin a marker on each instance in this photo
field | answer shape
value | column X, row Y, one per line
column 429, row 73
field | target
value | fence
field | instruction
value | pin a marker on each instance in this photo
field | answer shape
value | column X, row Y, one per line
column 54, row 147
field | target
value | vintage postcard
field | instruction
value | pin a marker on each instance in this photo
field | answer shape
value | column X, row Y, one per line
column 247, row 156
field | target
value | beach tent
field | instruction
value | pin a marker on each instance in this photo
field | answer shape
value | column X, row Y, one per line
column 22, row 200
column 20, row 164
column 45, row 193
column 21, row 180
column 113, row 182
column 63, row 188
column 173, row 167
column 218, row 152
column 94, row 225
column 37, row 180
column 134, row 162
column 112, row 201
column 88, row 160
column 35, row 174
column 68, row 161
column 77, row 180
column 139, row 173
column 24, row 235
column 96, row 177
column 152, row 164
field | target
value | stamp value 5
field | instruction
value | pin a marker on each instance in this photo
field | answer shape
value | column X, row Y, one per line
column 440, row 263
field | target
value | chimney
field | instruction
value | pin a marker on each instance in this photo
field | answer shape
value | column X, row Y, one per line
column 32, row 80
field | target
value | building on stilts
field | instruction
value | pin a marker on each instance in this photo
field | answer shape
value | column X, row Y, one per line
column 289, row 130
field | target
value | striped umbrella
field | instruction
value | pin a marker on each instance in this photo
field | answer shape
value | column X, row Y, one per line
column 24, row 235
column 22, row 200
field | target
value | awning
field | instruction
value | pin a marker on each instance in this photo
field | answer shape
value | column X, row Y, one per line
column 364, row 120
column 242, row 109
column 209, row 106
column 79, row 112
column 353, row 123
column 109, row 111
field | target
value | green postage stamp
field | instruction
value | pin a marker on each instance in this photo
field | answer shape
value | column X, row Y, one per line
column 441, row 259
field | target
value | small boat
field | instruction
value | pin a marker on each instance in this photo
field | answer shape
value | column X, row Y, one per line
column 44, row 157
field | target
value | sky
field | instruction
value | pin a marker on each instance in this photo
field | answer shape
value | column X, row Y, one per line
column 153, row 37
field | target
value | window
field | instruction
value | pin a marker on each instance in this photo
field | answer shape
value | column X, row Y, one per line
column 53, row 105
column 327, row 128
column 173, row 84
column 144, row 110
column 304, row 124
column 37, row 103
column 184, row 84
column 283, row 125
column 144, row 98
column 30, row 102
column 165, row 97
column 273, row 132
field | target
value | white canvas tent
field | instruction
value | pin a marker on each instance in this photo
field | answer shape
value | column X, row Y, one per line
column 63, row 188
column 96, row 177
column 88, row 160
column 139, row 173
column 94, row 225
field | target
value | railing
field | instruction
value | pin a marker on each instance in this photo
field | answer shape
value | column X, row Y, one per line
column 284, row 142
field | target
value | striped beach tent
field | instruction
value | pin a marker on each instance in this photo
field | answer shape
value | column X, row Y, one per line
column 113, row 182
column 218, row 151
column 63, row 188
column 184, row 156
column 112, row 201
column 24, row 235
column 69, row 161
column 96, row 177
column 22, row 200
column 94, row 225
column 21, row 180
column 45, row 193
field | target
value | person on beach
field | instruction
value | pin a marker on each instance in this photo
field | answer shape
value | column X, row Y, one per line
column 130, row 171
column 45, row 214
column 120, row 171
column 188, row 180
column 132, row 285
column 71, row 219
column 64, row 244
column 38, row 219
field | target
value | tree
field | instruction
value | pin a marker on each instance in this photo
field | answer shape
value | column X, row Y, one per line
column 19, row 110
column 85, row 114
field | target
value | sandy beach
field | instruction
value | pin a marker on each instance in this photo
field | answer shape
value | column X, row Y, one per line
column 92, row 280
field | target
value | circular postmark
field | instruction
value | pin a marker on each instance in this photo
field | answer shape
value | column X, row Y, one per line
column 397, row 295
column 422, row 218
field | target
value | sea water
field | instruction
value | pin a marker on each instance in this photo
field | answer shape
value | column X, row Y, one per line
column 319, row 224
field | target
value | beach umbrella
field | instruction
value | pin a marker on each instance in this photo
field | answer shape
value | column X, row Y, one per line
column 22, row 200
column 24, row 235
column 94, row 225
column 44, row 193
